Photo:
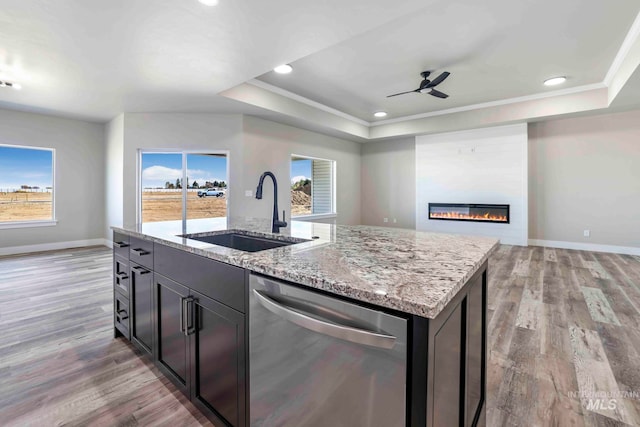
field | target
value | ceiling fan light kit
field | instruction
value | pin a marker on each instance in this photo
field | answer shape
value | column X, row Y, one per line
column 427, row 86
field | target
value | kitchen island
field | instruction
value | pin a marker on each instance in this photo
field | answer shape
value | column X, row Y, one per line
column 192, row 306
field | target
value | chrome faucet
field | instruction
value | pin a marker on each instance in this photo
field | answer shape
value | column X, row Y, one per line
column 276, row 223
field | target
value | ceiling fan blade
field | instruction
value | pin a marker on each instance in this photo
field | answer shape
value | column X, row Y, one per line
column 438, row 94
column 435, row 82
column 402, row 93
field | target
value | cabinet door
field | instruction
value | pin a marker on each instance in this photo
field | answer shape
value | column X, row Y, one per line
column 218, row 361
column 447, row 372
column 141, row 284
column 476, row 358
column 171, row 336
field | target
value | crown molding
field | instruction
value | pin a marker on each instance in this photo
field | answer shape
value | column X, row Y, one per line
column 552, row 94
column 630, row 39
column 306, row 101
column 625, row 47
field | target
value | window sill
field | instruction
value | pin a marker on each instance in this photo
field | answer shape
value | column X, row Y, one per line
column 314, row 216
column 28, row 224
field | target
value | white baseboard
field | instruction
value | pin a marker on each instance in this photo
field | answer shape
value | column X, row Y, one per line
column 627, row 250
column 53, row 246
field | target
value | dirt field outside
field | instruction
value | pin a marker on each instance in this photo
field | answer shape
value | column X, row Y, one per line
column 27, row 206
column 167, row 206
column 300, row 203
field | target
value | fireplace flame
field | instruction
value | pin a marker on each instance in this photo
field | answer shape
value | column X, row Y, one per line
column 457, row 215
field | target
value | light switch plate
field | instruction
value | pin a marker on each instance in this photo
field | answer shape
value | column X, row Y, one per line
column 248, row 193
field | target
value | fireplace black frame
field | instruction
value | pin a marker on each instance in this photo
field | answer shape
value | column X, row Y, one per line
column 506, row 208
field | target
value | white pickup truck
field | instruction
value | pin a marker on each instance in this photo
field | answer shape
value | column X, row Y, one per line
column 210, row 192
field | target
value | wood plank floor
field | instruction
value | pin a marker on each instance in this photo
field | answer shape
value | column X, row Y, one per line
column 564, row 338
column 564, row 343
column 59, row 362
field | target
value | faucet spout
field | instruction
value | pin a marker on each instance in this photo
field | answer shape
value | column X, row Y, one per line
column 276, row 224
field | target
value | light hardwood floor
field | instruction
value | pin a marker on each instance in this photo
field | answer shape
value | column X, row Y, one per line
column 563, row 326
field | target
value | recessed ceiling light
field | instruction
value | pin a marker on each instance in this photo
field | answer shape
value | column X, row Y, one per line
column 555, row 81
column 283, row 69
column 380, row 114
column 209, row 2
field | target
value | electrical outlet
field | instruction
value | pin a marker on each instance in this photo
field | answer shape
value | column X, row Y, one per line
column 587, row 233
column 385, row 220
column 248, row 193
column 394, row 220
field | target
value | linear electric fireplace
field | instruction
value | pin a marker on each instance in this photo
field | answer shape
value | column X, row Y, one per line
column 469, row 212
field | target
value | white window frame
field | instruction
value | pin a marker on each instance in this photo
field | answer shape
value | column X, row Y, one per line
column 37, row 222
column 334, row 209
column 184, row 154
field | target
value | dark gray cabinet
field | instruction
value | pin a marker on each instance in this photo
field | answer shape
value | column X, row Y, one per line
column 171, row 336
column 476, row 351
column 200, row 346
column 187, row 312
column 141, row 307
column 217, row 353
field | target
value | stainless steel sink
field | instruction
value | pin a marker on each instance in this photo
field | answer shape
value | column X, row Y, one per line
column 242, row 242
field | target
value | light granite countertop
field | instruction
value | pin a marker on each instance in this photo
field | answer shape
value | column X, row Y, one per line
column 405, row 270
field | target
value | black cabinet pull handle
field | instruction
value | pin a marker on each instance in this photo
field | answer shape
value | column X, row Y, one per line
column 141, row 270
column 190, row 312
column 121, row 244
column 183, row 300
column 140, row 251
column 122, row 275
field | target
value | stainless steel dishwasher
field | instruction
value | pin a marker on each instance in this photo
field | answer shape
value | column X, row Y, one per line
column 320, row 361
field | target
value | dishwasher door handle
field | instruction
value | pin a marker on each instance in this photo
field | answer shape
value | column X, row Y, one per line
column 347, row 333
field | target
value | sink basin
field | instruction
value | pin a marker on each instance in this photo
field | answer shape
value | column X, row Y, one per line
column 242, row 242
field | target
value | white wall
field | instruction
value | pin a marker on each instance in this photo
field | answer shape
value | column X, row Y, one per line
column 585, row 175
column 389, row 183
column 79, row 180
column 479, row 166
column 114, row 173
column 269, row 146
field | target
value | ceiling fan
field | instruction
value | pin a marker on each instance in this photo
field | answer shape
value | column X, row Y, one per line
column 427, row 86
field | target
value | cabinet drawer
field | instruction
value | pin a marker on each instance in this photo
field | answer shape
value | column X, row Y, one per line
column 141, row 252
column 121, row 244
column 219, row 281
column 121, row 275
column 121, row 314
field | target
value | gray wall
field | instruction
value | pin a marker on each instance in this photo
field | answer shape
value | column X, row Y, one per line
column 114, row 173
column 215, row 132
column 254, row 146
column 269, row 146
column 79, row 180
column 585, row 174
column 389, row 183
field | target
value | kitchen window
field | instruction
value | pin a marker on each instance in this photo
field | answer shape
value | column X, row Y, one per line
column 26, row 186
column 182, row 185
column 313, row 186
